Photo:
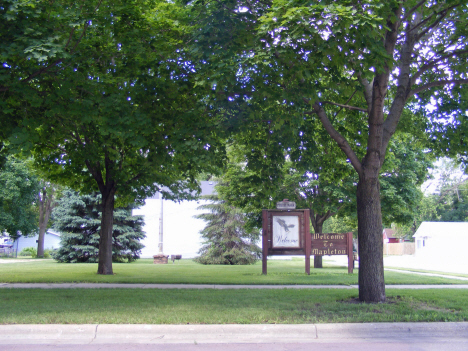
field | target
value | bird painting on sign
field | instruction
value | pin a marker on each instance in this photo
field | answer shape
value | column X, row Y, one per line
column 286, row 231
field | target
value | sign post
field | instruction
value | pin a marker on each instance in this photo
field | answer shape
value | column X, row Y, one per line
column 286, row 231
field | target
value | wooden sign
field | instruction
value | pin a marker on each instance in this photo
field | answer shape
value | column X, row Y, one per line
column 286, row 205
column 286, row 232
column 334, row 244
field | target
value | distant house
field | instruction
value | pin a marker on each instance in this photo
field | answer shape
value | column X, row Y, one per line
column 181, row 231
column 389, row 237
column 445, row 242
column 51, row 241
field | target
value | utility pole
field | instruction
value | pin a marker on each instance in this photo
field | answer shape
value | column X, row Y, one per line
column 160, row 258
column 160, row 246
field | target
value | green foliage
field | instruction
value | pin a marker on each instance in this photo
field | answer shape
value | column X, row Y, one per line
column 78, row 219
column 405, row 169
column 343, row 224
column 29, row 251
column 140, row 124
column 32, row 251
column 449, row 202
column 18, row 191
column 227, row 241
column 113, row 109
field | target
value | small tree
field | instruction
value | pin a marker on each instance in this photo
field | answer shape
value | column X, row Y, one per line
column 78, row 218
column 227, row 241
column 18, row 187
column 46, row 201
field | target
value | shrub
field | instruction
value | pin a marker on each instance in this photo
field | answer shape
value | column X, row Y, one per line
column 29, row 251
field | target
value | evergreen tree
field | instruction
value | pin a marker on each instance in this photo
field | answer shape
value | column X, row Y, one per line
column 78, row 218
column 227, row 240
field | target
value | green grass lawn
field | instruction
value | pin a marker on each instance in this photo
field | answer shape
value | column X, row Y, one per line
column 194, row 306
column 427, row 271
column 189, row 272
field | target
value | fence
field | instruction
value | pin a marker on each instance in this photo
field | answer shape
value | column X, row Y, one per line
column 7, row 252
column 399, row 249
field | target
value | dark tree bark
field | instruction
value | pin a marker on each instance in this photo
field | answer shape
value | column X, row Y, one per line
column 46, row 199
column 371, row 270
column 318, row 259
column 107, row 188
column 318, row 262
column 105, row 240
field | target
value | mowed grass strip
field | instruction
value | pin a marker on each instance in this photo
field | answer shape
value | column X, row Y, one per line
column 153, row 306
column 189, row 272
column 461, row 275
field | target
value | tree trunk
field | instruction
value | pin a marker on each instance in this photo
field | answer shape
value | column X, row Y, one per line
column 371, row 270
column 318, row 259
column 46, row 200
column 40, row 240
column 105, row 241
column 318, row 262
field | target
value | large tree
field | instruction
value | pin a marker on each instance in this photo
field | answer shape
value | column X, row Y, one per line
column 123, row 116
column 302, row 173
column 355, row 67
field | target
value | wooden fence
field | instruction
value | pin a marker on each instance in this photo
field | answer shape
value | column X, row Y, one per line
column 399, row 249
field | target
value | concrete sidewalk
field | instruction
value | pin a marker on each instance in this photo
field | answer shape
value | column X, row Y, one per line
column 207, row 286
column 229, row 333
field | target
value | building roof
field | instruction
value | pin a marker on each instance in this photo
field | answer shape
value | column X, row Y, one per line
column 388, row 233
column 52, row 232
column 433, row 229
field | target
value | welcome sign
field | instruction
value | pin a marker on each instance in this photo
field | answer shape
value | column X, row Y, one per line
column 287, row 232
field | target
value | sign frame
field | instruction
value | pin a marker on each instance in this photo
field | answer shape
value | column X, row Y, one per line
column 270, row 229
column 308, row 244
column 328, row 244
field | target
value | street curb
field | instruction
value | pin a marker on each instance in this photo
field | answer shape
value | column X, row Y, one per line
column 237, row 333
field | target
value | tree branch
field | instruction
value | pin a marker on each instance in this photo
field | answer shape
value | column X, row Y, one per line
column 341, row 141
column 341, row 109
column 412, row 10
column 442, row 14
column 343, row 106
column 42, row 70
column 367, row 89
column 436, row 84
column 80, row 38
column 433, row 63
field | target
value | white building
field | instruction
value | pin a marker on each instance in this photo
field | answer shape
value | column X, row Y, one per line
column 181, row 231
column 442, row 245
column 51, row 241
